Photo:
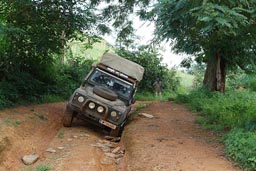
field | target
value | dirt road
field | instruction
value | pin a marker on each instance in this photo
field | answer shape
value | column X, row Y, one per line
column 170, row 141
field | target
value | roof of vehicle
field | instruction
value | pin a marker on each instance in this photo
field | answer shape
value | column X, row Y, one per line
column 123, row 65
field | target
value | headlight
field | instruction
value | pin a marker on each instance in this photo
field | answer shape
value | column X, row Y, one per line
column 80, row 99
column 100, row 109
column 91, row 105
column 113, row 114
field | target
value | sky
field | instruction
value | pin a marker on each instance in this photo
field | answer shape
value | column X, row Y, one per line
column 145, row 32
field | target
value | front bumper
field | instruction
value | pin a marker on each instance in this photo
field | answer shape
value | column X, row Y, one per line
column 91, row 116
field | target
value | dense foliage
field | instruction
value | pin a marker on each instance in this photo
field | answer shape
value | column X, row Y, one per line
column 32, row 31
column 154, row 68
column 33, row 37
column 211, row 31
column 22, row 88
column 240, row 146
column 233, row 111
column 240, row 80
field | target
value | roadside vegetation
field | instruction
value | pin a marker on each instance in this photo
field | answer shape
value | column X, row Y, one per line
column 38, row 168
column 232, row 115
column 64, row 77
column 47, row 47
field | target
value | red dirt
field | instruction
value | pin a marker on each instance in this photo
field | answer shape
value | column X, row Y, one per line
column 172, row 141
column 28, row 130
column 168, row 142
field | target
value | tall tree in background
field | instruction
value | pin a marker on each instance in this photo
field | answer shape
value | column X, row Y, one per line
column 219, row 32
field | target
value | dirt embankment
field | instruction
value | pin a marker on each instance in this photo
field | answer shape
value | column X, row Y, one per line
column 169, row 141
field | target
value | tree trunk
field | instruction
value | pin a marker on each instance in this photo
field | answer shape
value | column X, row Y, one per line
column 215, row 74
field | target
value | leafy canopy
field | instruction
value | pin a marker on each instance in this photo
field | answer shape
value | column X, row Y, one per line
column 33, row 30
column 204, row 28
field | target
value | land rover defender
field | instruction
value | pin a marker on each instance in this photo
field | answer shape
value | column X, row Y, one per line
column 106, row 94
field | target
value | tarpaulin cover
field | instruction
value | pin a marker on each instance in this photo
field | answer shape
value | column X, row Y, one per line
column 123, row 65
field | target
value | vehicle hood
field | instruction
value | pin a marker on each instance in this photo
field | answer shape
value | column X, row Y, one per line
column 88, row 91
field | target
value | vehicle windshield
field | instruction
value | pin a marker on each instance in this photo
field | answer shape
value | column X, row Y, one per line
column 120, row 87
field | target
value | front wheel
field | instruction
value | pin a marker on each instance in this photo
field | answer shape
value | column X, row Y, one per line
column 67, row 119
column 117, row 132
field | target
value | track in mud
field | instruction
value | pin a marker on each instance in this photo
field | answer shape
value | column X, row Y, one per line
column 170, row 141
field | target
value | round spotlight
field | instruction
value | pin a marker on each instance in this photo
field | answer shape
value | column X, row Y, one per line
column 113, row 114
column 91, row 105
column 80, row 99
column 100, row 109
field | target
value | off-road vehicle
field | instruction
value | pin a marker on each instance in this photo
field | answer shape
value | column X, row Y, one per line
column 106, row 94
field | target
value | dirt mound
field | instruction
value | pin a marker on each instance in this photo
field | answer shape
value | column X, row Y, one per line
column 5, row 145
column 26, row 130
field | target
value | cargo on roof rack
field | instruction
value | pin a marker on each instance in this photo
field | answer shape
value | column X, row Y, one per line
column 123, row 65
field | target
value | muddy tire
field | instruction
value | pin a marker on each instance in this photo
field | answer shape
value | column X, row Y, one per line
column 67, row 120
column 116, row 132
column 104, row 92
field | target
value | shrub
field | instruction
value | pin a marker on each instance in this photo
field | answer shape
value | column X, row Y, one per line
column 240, row 146
column 234, row 109
column 23, row 88
column 154, row 68
column 241, row 79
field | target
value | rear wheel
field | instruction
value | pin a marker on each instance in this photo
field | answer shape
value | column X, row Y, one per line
column 67, row 119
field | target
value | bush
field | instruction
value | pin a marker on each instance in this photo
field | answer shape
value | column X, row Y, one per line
column 149, row 96
column 23, row 88
column 19, row 88
column 234, row 109
column 240, row 146
column 149, row 59
column 240, row 79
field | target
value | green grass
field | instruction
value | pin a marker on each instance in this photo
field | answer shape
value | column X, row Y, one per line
column 78, row 49
column 232, row 110
column 42, row 167
column 232, row 114
column 60, row 134
column 149, row 96
column 11, row 122
column 98, row 49
column 186, row 80
column 136, row 111
column 240, row 146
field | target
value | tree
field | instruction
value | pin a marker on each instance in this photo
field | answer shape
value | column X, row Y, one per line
column 148, row 57
column 119, row 15
column 33, row 30
column 220, row 33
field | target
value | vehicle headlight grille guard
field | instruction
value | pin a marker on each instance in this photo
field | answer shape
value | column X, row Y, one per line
column 78, row 99
column 95, row 107
column 114, row 115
